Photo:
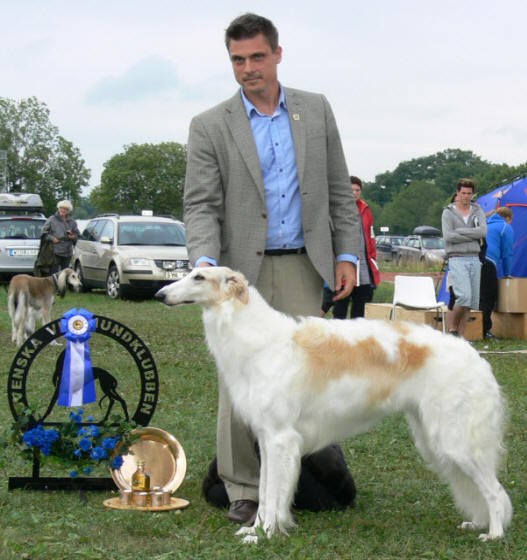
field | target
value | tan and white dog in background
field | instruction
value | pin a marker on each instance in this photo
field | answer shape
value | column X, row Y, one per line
column 30, row 298
column 303, row 384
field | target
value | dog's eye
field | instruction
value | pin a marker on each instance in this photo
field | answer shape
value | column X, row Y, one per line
column 199, row 277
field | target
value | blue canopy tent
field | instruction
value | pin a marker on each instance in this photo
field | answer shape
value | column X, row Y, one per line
column 513, row 195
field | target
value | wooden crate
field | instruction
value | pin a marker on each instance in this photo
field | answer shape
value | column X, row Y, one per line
column 512, row 295
column 509, row 325
column 473, row 331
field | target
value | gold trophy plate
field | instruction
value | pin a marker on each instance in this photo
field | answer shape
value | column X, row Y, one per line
column 164, row 458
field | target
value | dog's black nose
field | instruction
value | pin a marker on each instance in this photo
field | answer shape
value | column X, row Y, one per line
column 159, row 296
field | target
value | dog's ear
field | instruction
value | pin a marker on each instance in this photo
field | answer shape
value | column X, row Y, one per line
column 237, row 287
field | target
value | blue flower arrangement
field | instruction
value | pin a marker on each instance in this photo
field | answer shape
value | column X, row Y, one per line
column 75, row 443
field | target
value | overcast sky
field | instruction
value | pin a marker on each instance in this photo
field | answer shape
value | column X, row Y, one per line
column 405, row 78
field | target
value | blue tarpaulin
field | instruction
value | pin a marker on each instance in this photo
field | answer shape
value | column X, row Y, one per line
column 513, row 195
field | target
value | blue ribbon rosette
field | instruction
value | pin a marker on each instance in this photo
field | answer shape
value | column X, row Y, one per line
column 77, row 385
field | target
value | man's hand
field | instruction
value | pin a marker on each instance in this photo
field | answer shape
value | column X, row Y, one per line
column 345, row 279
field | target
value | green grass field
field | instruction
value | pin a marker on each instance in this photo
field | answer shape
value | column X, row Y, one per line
column 402, row 510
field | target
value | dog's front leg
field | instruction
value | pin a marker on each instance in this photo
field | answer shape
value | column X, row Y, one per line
column 280, row 467
column 249, row 534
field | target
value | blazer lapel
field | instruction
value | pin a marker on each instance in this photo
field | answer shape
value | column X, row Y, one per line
column 238, row 123
column 296, row 112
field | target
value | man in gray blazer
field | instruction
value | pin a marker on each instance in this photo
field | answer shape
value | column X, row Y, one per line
column 267, row 193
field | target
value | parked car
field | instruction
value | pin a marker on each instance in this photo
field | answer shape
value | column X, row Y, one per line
column 131, row 254
column 388, row 246
column 81, row 224
column 21, row 223
column 425, row 246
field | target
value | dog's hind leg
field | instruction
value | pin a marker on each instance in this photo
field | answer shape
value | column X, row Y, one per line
column 29, row 326
column 11, row 308
column 494, row 504
column 470, row 473
column 20, row 318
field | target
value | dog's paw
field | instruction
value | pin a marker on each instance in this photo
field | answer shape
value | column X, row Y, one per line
column 245, row 531
column 55, row 343
column 250, row 539
column 484, row 537
column 467, row 525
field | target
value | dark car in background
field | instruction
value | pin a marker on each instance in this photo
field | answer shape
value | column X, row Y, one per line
column 388, row 247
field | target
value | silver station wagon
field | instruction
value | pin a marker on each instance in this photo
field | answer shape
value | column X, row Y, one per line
column 21, row 223
column 131, row 255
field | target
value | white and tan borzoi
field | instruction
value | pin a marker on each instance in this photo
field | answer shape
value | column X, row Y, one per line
column 303, row 384
column 30, row 298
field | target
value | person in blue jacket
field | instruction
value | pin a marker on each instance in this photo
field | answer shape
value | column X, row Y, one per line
column 500, row 239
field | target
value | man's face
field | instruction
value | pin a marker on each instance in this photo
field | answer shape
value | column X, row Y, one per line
column 464, row 195
column 357, row 191
column 254, row 64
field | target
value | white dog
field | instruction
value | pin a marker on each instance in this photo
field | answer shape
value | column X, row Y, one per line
column 301, row 385
column 30, row 298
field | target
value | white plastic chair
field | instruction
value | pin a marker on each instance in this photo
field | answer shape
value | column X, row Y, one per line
column 416, row 292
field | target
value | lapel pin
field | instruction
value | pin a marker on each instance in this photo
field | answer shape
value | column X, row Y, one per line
column 296, row 117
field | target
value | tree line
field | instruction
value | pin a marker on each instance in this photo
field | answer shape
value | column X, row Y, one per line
column 151, row 176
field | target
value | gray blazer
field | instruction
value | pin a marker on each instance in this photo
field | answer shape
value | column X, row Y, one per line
column 224, row 201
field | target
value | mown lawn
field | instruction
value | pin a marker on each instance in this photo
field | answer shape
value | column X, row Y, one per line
column 402, row 510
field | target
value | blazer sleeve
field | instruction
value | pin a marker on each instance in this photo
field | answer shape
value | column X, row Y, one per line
column 203, row 195
column 343, row 213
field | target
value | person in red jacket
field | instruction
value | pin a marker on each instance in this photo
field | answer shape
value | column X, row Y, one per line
column 368, row 275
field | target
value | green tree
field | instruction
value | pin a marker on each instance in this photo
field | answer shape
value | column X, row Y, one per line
column 144, row 177
column 498, row 174
column 39, row 160
column 84, row 209
column 443, row 168
column 419, row 203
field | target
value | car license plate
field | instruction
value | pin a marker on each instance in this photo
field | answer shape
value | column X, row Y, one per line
column 174, row 274
column 23, row 252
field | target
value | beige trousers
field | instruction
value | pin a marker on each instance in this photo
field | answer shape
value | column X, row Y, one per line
column 290, row 284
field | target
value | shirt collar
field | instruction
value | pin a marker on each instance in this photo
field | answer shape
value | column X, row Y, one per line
column 250, row 108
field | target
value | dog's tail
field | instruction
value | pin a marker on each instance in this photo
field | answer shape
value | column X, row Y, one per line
column 16, row 307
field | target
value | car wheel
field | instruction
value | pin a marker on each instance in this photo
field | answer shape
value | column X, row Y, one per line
column 78, row 270
column 113, row 283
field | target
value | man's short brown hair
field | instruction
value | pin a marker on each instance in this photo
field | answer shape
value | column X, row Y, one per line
column 467, row 184
column 248, row 26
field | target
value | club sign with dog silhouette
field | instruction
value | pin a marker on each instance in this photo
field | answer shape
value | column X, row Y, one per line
column 108, row 382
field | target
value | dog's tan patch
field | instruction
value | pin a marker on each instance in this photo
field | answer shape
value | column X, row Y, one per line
column 402, row 328
column 330, row 356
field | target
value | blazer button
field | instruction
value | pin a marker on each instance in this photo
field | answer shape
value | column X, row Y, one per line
column 264, row 215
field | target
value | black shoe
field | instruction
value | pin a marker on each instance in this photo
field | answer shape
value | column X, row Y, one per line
column 243, row 511
column 488, row 335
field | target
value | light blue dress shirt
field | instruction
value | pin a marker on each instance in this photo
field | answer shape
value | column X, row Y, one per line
column 276, row 151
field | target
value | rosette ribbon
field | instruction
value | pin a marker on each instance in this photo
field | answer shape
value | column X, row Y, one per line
column 77, row 385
